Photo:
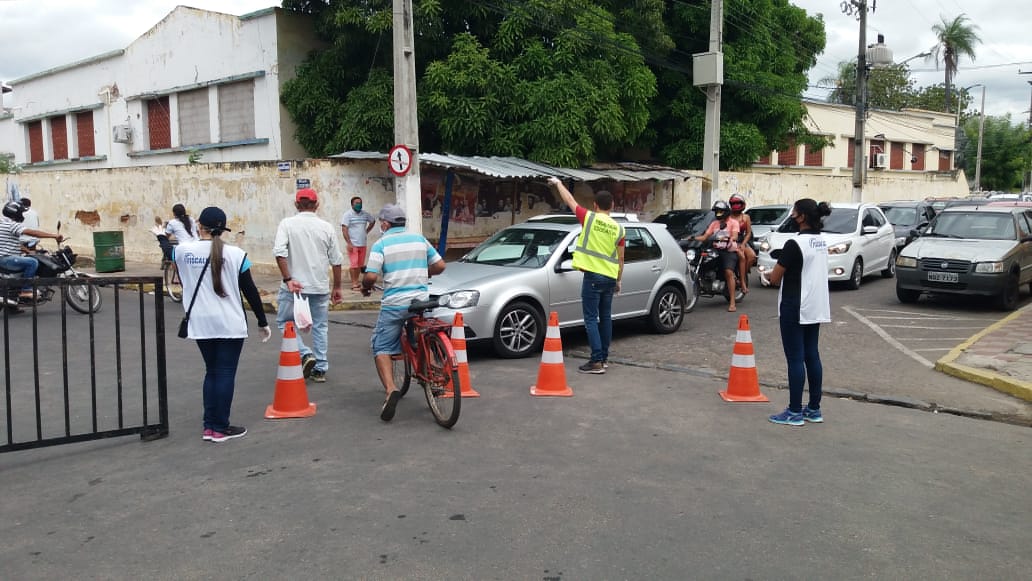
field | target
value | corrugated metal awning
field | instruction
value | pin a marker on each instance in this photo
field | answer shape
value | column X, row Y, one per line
column 518, row 168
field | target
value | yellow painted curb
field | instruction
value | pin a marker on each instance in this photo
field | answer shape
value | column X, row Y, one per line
column 947, row 364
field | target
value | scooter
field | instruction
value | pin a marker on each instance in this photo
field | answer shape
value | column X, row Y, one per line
column 82, row 297
column 707, row 274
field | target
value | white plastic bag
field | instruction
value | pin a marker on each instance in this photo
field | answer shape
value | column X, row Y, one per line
column 302, row 313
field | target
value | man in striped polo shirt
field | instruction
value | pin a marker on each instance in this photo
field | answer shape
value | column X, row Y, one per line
column 407, row 261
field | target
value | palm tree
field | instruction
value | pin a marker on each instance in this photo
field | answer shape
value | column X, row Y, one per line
column 956, row 39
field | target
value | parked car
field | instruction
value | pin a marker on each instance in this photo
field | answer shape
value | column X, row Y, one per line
column 685, row 223
column 860, row 242
column 766, row 219
column 981, row 250
column 906, row 217
column 506, row 286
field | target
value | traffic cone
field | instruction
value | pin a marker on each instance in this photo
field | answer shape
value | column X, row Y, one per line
column 458, row 341
column 291, row 397
column 551, row 380
column 743, row 384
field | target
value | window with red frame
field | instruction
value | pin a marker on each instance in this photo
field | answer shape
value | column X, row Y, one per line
column 812, row 157
column 789, row 155
column 159, row 123
column 59, row 137
column 919, row 157
column 84, row 134
column 35, row 141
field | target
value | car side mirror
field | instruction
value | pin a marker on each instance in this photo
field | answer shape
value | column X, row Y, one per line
column 1026, row 239
column 916, row 232
column 565, row 265
column 869, row 230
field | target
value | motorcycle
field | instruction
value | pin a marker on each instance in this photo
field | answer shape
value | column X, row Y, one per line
column 707, row 274
column 60, row 264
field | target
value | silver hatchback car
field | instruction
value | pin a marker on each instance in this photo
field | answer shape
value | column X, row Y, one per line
column 506, row 287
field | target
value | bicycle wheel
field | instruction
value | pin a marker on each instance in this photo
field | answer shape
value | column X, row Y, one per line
column 443, row 392
column 173, row 286
column 401, row 368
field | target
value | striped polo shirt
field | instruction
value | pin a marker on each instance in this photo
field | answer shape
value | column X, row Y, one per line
column 9, row 233
column 402, row 258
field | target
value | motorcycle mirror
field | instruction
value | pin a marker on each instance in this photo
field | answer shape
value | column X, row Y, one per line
column 58, row 226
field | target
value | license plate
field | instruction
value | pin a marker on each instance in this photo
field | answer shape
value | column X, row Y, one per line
column 943, row 277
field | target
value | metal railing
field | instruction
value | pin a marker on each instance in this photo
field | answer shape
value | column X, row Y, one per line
column 74, row 377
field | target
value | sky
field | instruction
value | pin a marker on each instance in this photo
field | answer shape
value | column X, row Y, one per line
column 91, row 27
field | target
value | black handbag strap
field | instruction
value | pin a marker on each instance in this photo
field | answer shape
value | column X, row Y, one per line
column 197, row 288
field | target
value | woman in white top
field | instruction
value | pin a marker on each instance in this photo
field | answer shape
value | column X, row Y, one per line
column 218, row 273
column 181, row 227
column 803, row 304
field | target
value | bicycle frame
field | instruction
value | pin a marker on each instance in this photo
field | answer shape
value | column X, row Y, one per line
column 418, row 328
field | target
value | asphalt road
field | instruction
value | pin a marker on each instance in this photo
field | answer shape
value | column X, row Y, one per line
column 643, row 473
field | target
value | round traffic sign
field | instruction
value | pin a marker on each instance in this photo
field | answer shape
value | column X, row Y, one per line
column 400, row 160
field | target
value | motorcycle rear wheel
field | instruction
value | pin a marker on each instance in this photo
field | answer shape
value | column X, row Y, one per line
column 83, row 297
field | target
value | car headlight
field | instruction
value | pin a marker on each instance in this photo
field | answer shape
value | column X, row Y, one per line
column 690, row 254
column 901, row 240
column 989, row 267
column 459, row 299
column 906, row 262
column 840, row 248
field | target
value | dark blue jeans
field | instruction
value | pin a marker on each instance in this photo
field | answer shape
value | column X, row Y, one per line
column 221, row 357
column 804, row 362
column 26, row 264
column 597, row 304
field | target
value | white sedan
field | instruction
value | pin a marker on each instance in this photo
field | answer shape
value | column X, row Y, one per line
column 860, row 242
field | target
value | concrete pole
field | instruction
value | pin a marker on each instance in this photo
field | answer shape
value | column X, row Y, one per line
column 406, row 123
column 859, row 153
column 711, row 138
column 978, row 156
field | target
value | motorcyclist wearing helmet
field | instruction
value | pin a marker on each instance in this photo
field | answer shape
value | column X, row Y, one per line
column 746, row 255
column 11, row 258
column 724, row 233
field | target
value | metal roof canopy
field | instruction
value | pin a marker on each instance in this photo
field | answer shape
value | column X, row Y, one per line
column 517, row 168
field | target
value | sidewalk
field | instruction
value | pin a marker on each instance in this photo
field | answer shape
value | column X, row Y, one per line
column 268, row 283
column 1000, row 356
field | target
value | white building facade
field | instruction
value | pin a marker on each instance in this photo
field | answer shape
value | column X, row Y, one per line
column 199, row 86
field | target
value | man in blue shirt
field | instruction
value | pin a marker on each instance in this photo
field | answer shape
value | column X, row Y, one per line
column 407, row 261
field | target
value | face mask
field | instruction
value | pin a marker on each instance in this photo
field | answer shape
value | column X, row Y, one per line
column 357, row 207
column 379, row 228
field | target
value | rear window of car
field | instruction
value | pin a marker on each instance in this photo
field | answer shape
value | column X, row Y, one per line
column 901, row 215
column 973, row 225
column 766, row 215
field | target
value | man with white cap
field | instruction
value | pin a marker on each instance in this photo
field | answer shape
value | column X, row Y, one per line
column 305, row 249
column 407, row 261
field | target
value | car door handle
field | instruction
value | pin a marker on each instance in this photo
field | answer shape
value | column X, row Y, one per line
column 656, row 268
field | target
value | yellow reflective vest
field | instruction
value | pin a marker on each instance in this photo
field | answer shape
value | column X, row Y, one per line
column 596, row 245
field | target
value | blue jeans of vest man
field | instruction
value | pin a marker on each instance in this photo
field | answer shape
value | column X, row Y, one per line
column 597, row 304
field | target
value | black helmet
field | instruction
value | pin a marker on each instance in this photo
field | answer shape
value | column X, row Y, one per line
column 721, row 209
column 14, row 211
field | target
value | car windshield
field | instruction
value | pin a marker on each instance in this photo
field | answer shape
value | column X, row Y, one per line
column 973, row 225
column 519, row 247
column 841, row 221
column 766, row 216
column 900, row 215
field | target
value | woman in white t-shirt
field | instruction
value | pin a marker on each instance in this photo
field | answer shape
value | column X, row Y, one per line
column 216, row 274
column 803, row 304
column 181, row 227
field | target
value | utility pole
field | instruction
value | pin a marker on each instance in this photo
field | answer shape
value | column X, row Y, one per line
column 859, row 155
column 406, row 123
column 978, row 156
column 708, row 71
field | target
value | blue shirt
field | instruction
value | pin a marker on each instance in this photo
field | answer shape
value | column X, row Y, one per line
column 402, row 257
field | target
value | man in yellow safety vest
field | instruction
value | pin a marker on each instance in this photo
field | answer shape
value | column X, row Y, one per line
column 600, row 255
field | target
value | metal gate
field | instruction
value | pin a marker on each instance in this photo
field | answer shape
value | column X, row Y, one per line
column 73, row 377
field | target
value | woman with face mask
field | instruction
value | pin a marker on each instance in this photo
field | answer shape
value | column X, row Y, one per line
column 355, row 224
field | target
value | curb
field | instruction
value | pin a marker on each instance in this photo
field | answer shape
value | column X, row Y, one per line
column 948, row 365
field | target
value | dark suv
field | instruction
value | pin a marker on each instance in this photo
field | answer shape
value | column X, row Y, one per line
column 685, row 223
column 906, row 217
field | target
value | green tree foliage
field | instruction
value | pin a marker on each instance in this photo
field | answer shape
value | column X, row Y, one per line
column 1005, row 152
column 956, row 38
column 566, row 82
column 887, row 87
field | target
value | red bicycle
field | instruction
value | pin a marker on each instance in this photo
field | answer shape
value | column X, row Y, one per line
column 427, row 355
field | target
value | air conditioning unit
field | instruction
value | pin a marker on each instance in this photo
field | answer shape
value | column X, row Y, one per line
column 122, row 133
column 881, row 160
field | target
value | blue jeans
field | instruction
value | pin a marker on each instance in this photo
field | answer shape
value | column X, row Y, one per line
column 386, row 339
column 221, row 357
column 26, row 264
column 804, row 362
column 320, row 306
column 597, row 303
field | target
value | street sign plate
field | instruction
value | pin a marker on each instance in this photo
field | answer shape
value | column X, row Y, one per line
column 400, row 160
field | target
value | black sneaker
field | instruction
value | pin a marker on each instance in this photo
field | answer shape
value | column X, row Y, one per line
column 592, row 367
column 307, row 365
column 318, row 376
column 227, row 434
column 390, row 405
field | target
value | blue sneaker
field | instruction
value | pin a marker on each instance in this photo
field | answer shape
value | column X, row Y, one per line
column 788, row 418
column 811, row 415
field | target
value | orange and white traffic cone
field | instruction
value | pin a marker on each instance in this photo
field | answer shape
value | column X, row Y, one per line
column 291, row 397
column 551, row 380
column 458, row 341
column 743, row 384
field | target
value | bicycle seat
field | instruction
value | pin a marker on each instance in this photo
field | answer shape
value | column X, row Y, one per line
column 418, row 306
